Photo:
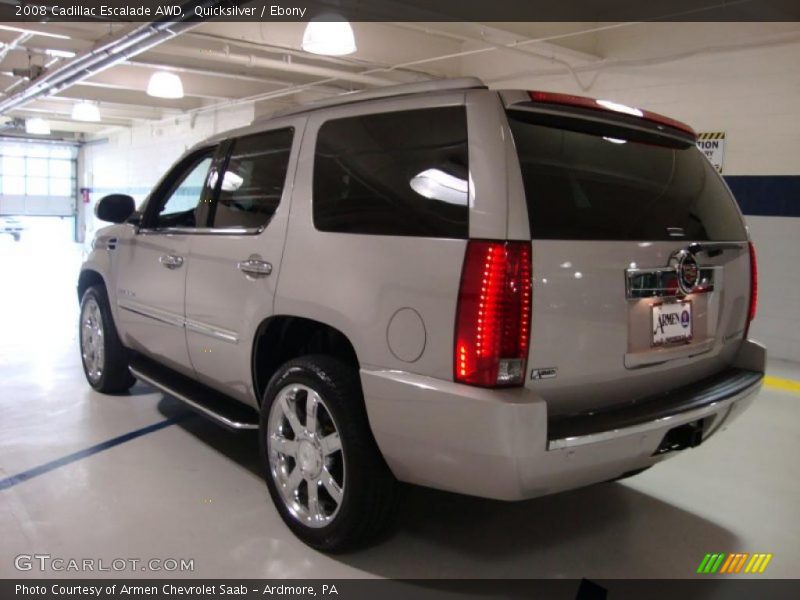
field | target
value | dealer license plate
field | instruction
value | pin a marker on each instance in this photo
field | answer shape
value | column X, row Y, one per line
column 672, row 323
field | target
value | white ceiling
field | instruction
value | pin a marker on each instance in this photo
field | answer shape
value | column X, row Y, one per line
column 222, row 63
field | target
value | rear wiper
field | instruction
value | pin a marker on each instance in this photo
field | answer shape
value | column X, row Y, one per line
column 713, row 248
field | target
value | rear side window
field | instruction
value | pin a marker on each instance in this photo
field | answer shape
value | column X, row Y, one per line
column 401, row 173
column 252, row 185
column 586, row 186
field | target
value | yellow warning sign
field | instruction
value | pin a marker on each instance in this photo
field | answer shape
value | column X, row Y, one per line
column 712, row 144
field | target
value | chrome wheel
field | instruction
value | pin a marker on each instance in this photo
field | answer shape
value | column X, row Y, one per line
column 305, row 455
column 92, row 340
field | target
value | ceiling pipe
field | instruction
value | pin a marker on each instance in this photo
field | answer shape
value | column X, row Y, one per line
column 290, row 67
column 14, row 44
column 344, row 61
column 104, row 56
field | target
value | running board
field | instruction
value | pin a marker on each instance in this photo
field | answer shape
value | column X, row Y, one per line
column 218, row 407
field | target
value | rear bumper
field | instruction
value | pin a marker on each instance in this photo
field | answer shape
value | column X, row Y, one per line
column 495, row 443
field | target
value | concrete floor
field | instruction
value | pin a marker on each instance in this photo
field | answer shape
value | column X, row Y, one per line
column 192, row 490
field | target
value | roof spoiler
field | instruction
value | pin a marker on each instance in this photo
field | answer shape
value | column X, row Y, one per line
column 600, row 109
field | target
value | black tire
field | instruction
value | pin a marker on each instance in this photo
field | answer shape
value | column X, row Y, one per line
column 368, row 503
column 115, row 377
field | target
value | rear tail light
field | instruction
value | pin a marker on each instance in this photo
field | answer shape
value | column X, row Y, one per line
column 753, row 284
column 609, row 106
column 494, row 314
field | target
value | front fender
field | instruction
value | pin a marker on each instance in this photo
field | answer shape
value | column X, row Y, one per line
column 98, row 263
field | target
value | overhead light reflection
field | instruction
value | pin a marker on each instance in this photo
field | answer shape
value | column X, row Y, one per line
column 621, row 108
column 435, row 184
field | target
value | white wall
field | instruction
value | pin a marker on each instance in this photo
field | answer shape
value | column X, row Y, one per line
column 132, row 160
column 751, row 92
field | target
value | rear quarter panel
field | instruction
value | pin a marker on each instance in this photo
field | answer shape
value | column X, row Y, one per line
column 358, row 283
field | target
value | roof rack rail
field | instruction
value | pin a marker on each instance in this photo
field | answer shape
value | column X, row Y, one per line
column 403, row 89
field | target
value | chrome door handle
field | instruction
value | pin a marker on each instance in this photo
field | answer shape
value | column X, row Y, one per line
column 171, row 261
column 254, row 267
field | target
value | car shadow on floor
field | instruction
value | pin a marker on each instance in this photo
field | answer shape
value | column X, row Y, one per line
column 608, row 530
column 603, row 531
column 240, row 447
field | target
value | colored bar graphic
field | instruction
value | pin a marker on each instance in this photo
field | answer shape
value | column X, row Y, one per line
column 741, row 562
column 753, row 564
column 719, row 562
column 764, row 564
column 711, row 562
column 737, row 557
column 726, row 565
column 703, row 563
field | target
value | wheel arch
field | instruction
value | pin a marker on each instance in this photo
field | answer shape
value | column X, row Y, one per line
column 87, row 279
column 281, row 338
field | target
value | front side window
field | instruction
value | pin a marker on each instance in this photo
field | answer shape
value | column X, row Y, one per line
column 253, row 181
column 399, row 173
column 184, row 197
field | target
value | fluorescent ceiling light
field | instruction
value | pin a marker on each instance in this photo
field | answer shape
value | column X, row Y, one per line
column 60, row 53
column 86, row 111
column 164, row 84
column 37, row 126
column 329, row 35
column 57, row 36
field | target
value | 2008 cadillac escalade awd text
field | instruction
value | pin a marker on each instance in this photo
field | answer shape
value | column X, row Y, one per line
column 497, row 293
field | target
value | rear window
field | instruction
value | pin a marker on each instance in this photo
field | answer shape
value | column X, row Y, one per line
column 400, row 173
column 586, row 186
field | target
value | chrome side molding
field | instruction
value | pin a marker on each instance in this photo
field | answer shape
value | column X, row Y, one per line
column 178, row 320
column 211, row 331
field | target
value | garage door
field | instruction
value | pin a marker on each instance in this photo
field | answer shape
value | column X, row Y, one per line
column 37, row 178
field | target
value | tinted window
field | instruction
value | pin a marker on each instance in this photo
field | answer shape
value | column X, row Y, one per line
column 586, row 186
column 402, row 173
column 252, row 185
column 182, row 202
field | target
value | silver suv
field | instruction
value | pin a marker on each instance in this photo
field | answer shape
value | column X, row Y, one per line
column 497, row 293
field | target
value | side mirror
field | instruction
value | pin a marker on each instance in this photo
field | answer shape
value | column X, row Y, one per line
column 115, row 208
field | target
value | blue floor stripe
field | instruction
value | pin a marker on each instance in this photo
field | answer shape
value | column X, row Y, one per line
column 9, row 482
